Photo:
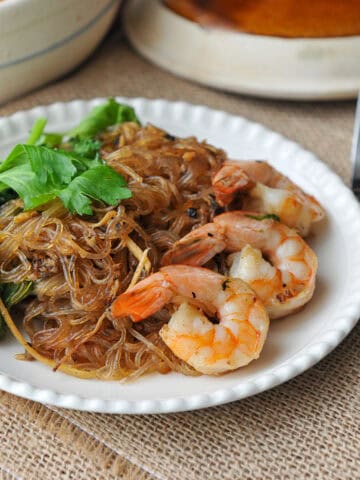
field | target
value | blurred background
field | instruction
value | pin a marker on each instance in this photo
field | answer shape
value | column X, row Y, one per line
column 291, row 65
column 286, row 49
column 272, row 61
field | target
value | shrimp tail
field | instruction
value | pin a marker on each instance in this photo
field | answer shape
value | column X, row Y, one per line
column 145, row 299
column 229, row 181
column 196, row 248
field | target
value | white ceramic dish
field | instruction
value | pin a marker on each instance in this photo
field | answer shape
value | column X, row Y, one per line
column 322, row 68
column 294, row 343
column 41, row 40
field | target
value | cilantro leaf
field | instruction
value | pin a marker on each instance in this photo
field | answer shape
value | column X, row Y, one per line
column 50, row 140
column 38, row 137
column 56, row 167
column 36, row 131
column 126, row 113
column 45, row 163
column 103, row 116
column 270, row 216
column 99, row 183
column 37, row 172
column 26, row 184
column 14, row 159
column 87, row 147
column 59, row 165
column 50, row 164
column 13, row 293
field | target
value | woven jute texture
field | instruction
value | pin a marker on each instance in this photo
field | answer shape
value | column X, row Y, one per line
column 307, row 428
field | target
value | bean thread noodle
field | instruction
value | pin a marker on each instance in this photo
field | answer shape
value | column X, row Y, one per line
column 80, row 264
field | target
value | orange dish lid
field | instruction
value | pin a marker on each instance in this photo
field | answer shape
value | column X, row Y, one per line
column 284, row 18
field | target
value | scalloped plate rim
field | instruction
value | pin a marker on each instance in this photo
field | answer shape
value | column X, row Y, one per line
column 297, row 364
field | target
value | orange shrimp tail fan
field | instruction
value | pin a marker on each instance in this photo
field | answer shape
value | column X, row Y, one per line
column 143, row 300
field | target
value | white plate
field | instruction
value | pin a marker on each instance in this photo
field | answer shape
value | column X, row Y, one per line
column 295, row 68
column 294, row 343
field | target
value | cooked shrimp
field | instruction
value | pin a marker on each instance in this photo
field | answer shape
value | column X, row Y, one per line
column 230, row 180
column 210, row 348
column 272, row 258
column 267, row 190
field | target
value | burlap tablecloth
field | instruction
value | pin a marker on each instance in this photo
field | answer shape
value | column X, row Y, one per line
column 307, row 428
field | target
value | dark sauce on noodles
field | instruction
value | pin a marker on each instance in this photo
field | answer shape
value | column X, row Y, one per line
column 79, row 265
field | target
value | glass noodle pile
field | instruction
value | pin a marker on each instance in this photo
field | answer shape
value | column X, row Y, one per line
column 83, row 217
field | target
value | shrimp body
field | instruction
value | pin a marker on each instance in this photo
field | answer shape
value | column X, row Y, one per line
column 210, row 348
column 272, row 258
column 264, row 189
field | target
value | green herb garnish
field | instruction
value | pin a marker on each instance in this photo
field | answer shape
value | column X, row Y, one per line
column 99, row 183
column 41, row 170
column 38, row 137
column 36, row 131
column 87, row 147
column 47, row 164
column 11, row 294
column 25, row 183
column 102, row 117
column 270, row 216
column 51, row 140
column 40, row 174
